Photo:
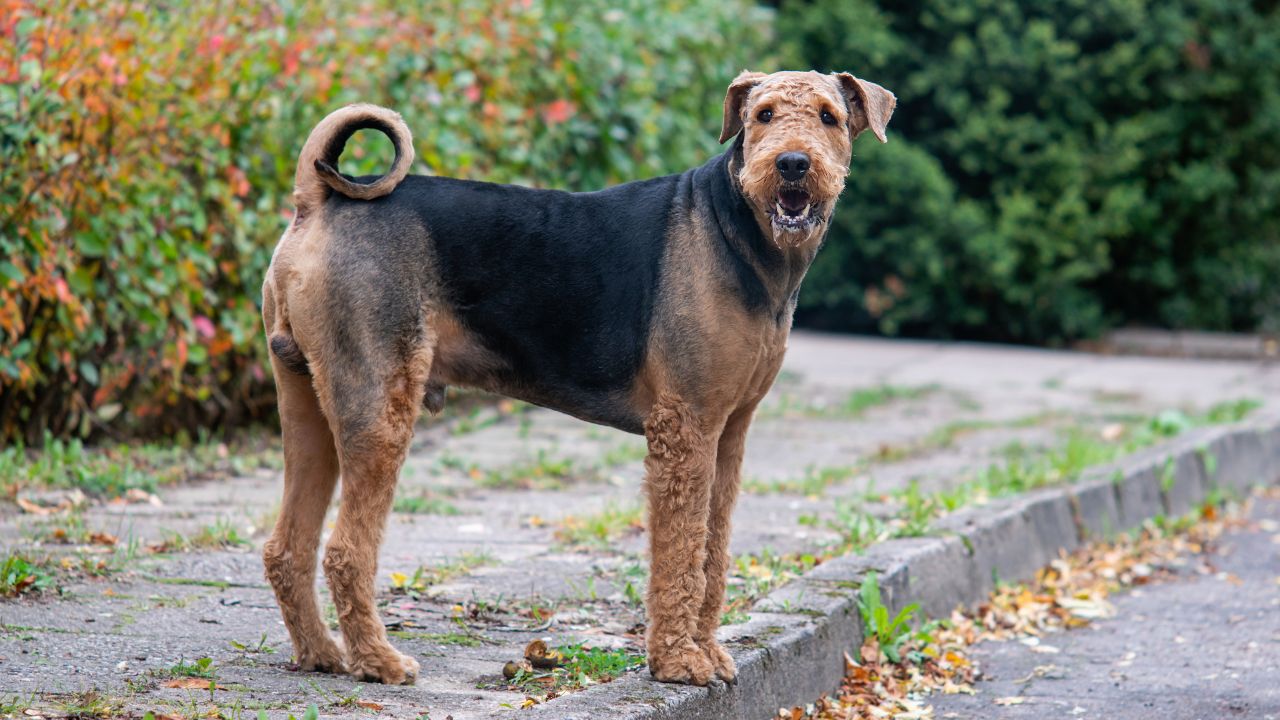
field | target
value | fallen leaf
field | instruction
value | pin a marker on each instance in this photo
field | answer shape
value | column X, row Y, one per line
column 137, row 495
column 368, row 705
column 1007, row 701
column 540, row 656
column 33, row 508
column 189, row 683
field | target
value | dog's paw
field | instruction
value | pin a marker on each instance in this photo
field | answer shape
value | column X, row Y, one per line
column 721, row 663
column 386, row 666
column 323, row 657
column 685, row 663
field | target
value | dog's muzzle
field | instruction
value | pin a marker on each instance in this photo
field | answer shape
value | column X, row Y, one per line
column 794, row 210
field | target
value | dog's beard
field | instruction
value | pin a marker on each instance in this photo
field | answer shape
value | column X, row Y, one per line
column 794, row 212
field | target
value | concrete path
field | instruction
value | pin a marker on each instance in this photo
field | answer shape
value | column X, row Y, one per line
column 1205, row 647
column 524, row 524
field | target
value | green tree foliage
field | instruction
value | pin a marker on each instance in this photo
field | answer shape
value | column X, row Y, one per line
column 147, row 153
column 1054, row 168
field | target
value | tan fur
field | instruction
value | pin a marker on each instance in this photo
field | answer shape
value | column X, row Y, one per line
column 797, row 100
column 319, row 441
column 318, row 162
column 680, row 470
column 708, row 364
column 310, row 472
column 371, row 462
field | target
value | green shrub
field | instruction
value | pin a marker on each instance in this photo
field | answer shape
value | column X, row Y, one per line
column 1054, row 169
column 147, row 153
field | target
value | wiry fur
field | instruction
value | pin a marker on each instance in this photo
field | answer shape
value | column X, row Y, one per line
column 660, row 307
column 796, row 101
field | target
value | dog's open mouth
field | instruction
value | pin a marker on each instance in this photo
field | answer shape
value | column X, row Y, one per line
column 794, row 209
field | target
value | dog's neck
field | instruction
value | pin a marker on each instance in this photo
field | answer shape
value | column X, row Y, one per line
column 779, row 268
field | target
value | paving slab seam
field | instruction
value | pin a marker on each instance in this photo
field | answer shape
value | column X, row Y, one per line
column 812, row 623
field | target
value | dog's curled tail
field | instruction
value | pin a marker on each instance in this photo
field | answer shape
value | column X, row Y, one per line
column 318, row 165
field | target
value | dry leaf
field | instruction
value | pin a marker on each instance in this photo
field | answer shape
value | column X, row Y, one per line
column 1112, row 432
column 136, row 495
column 189, row 683
column 369, row 705
column 540, row 656
column 1007, row 701
column 33, row 508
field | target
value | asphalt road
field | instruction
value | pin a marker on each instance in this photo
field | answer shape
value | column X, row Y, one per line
column 1203, row 647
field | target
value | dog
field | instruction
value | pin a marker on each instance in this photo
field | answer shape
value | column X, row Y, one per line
column 659, row 307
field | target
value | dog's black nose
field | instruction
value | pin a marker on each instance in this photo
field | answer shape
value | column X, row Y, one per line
column 793, row 165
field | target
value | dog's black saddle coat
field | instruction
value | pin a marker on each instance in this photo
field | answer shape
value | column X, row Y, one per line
column 561, row 286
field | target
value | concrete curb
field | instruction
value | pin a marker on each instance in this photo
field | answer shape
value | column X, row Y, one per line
column 791, row 650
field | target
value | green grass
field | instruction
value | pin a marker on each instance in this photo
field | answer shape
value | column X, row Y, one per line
column 599, row 529
column 857, row 529
column 454, row 639
column 195, row 582
column 864, row 399
column 624, row 454
column 425, row 504
column 261, row 647
column 68, row 529
column 20, row 575
column 853, row 406
column 1020, row 471
column 201, row 668
column 14, row 705
column 424, row 577
column 753, row 575
column 89, row 704
column 816, row 480
column 221, row 534
column 113, row 470
column 890, row 632
column 84, row 553
column 544, row 472
column 813, row 483
column 580, row 667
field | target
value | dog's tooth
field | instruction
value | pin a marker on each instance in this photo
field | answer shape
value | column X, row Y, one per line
column 806, row 209
column 778, row 207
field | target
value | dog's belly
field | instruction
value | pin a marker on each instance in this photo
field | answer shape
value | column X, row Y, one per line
column 465, row 359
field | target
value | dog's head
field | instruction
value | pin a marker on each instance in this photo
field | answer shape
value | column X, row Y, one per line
column 798, row 131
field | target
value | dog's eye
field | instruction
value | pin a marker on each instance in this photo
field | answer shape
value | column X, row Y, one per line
column 828, row 118
column 765, row 115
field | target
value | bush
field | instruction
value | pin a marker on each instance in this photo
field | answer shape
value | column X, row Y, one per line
column 1054, row 169
column 147, row 153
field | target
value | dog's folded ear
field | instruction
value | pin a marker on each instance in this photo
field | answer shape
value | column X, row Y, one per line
column 870, row 106
column 739, row 89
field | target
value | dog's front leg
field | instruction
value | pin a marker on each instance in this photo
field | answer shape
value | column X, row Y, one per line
column 724, row 494
column 680, row 468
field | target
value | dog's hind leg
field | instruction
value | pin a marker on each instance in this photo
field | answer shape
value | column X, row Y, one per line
column 680, row 468
column 289, row 556
column 375, row 410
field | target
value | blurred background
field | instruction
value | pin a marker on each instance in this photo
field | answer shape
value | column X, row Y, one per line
column 1055, row 169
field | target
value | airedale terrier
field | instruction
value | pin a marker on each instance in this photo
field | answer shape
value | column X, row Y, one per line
column 659, row 307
